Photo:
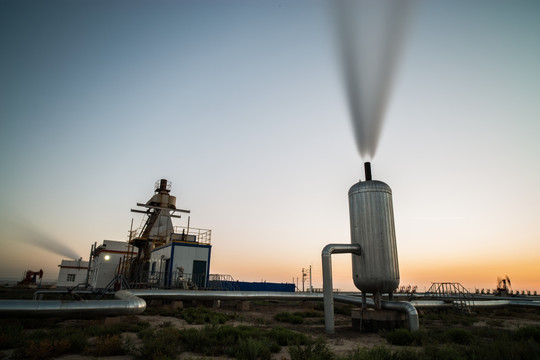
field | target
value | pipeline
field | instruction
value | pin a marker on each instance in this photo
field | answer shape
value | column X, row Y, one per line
column 223, row 295
column 125, row 303
column 131, row 302
column 400, row 306
column 404, row 307
column 328, row 290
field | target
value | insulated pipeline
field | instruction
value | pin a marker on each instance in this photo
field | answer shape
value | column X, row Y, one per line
column 328, row 290
column 125, row 304
column 400, row 306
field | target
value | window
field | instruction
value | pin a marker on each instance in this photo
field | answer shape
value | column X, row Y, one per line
column 70, row 278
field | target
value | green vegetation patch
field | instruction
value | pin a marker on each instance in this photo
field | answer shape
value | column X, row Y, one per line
column 110, row 345
column 241, row 342
column 162, row 343
column 201, row 315
column 528, row 333
column 381, row 353
column 296, row 317
column 288, row 317
column 31, row 340
column 460, row 343
column 192, row 315
column 403, row 337
column 316, row 350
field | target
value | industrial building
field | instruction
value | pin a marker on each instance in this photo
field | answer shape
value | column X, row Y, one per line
column 72, row 273
column 157, row 255
column 184, row 262
column 168, row 256
column 106, row 260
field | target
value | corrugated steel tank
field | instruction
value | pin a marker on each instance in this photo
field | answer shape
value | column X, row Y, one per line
column 372, row 227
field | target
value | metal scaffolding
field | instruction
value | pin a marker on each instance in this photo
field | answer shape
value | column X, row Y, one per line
column 456, row 293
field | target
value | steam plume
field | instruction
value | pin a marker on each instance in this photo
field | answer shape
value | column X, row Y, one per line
column 369, row 37
column 45, row 242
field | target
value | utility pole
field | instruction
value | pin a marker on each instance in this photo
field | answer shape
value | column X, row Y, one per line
column 310, row 283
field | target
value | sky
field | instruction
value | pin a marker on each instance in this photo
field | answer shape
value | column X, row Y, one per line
column 240, row 105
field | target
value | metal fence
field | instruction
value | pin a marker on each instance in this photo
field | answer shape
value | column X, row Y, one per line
column 176, row 280
column 201, row 236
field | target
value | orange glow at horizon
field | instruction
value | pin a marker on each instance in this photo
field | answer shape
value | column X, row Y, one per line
column 471, row 273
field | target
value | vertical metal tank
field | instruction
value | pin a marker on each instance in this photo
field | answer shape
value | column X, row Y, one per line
column 371, row 213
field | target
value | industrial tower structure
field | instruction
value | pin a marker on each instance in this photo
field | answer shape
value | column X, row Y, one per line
column 156, row 231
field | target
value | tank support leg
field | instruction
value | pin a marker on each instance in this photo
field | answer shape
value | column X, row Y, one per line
column 378, row 300
column 364, row 300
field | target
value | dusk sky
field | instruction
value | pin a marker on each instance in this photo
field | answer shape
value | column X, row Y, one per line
column 239, row 104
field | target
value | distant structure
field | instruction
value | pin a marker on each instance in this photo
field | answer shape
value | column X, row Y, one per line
column 72, row 273
column 30, row 277
column 503, row 286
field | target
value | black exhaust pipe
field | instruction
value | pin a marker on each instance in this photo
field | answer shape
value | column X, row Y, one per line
column 367, row 170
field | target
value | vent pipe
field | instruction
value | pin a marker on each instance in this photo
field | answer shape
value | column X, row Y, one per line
column 367, row 170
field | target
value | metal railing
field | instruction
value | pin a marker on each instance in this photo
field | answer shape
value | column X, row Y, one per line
column 175, row 280
column 455, row 292
column 201, row 236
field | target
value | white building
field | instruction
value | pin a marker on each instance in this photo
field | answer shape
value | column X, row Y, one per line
column 106, row 260
column 72, row 273
column 183, row 261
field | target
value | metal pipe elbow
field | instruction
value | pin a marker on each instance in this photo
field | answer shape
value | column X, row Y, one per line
column 330, row 249
column 408, row 309
column 136, row 305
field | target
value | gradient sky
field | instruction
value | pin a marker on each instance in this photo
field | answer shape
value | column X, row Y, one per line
column 239, row 104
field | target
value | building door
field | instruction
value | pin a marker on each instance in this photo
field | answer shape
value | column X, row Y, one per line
column 199, row 273
column 167, row 274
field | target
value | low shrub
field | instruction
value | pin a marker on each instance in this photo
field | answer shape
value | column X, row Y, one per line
column 252, row 349
column 10, row 335
column 495, row 322
column 405, row 354
column 338, row 308
column 54, row 342
column 233, row 341
column 160, row 344
column 317, row 350
column 287, row 317
column 132, row 324
column 444, row 352
column 403, row 337
column 191, row 339
column 309, row 314
column 459, row 318
column 528, row 333
column 46, row 348
column 459, row 336
column 107, row 346
column 285, row 337
column 382, row 353
column 202, row 315
column 343, row 309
